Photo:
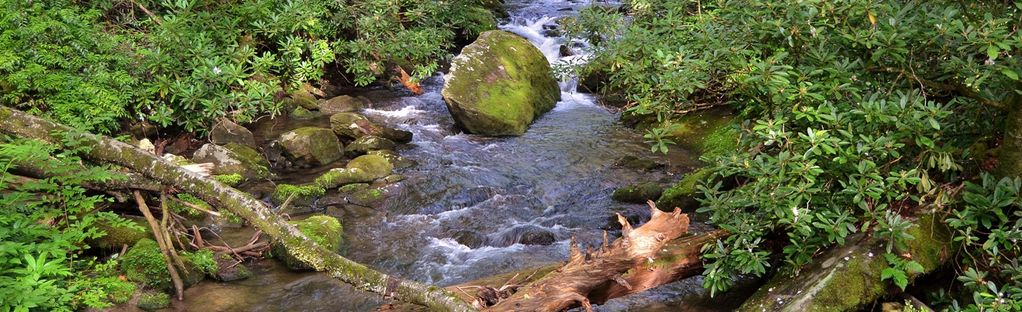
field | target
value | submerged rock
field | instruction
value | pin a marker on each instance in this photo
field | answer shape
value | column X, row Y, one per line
column 638, row 193
column 228, row 270
column 233, row 158
column 342, row 104
column 354, row 126
column 499, row 84
column 637, row 163
column 324, row 230
column 226, row 131
column 311, row 146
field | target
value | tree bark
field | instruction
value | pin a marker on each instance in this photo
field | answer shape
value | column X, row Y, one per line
column 1009, row 155
column 585, row 272
column 260, row 215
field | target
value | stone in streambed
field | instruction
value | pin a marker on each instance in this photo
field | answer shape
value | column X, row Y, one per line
column 144, row 264
column 226, row 131
column 362, row 169
column 354, row 126
column 499, row 84
column 342, row 104
column 312, row 146
column 684, row 194
column 369, row 143
column 396, row 160
column 233, row 158
column 638, row 193
column 326, row 231
column 228, row 270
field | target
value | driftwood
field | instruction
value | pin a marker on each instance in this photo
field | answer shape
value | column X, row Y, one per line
column 585, row 272
column 257, row 213
column 678, row 259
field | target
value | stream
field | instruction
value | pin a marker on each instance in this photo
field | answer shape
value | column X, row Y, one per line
column 474, row 206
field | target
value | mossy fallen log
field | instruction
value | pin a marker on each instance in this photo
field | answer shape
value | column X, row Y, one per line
column 260, row 215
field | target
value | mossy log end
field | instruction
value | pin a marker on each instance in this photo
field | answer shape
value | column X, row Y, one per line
column 587, row 272
column 105, row 149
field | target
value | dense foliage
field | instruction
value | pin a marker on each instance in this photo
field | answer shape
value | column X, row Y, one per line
column 44, row 225
column 859, row 115
column 185, row 63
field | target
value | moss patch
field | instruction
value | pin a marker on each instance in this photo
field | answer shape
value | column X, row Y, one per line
column 144, row 264
column 229, row 179
column 638, row 193
column 325, row 231
column 153, row 300
column 306, row 191
column 117, row 236
column 683, row 194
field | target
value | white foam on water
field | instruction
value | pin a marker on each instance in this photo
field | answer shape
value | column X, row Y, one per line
column 403, row 113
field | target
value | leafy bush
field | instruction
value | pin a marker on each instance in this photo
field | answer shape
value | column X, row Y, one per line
column 43, row 226
column 94, row 65
column 857, row 113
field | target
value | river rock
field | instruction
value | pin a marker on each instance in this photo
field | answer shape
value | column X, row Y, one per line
column 354, row 126
column 226, row 131
column 369, row 143
column 144, row 264
column 303, row 99
column 342, row 104
column 228, row 270
column 324, row 230
column 499, row 84
column 312, row 145
column 396, row 160
column 300, row 113
column 638, row 193
column 362, row 169
column 233, row 158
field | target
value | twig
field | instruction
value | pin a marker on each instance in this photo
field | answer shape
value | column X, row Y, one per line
column 166, row 234
column 150, row 14
column 178, row 285
column 194, row 206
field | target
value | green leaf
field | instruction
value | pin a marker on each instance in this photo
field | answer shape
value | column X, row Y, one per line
column 1010, row 73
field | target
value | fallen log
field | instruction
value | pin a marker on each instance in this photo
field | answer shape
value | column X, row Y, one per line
column 260, row 215
column 586, row 272
column 678, row 259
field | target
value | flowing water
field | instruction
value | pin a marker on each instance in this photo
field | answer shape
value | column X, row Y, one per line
column 476, row 206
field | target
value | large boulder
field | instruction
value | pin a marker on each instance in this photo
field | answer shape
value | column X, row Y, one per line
column 342, row 104
column 312, row 145
column 226, row 131
column 353, row 125
column 233, row 158
column 324, row 230
column 499, row 84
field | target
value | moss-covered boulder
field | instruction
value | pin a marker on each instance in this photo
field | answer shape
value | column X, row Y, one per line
column 847, row 278
column 354, row 126
column 684, row 194
column 499, row 84
column 226, row 131
column 301, row 113
column 311, row 145
column 233, row 158
column 396, row 160
column 229, row 270
column 368, row 143
column 144, row 264
column 120, row 235
column 638, row 193
column 302, row 98
column 324, row 230
column 342, row 104
column 362, row 169
column 711, row 133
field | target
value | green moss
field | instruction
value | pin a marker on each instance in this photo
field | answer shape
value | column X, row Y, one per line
column 283, row 191
column 229, row 179
column 144, row 264
column 340, row 176
column 368, row 143
column 152, row 300
column 499, row 84
column 184, row 210
column 932, row 242
column 302, row 98
column 251, row 159
column 317, row 146
column 638, row 193
column 684, row 193
column 202, row 259
column 117, row 236
column 851, row 288
column 722, row 140
column 325, row 231
column 353, row 187
column 119, row 291
column 301, row 113
column 374, row 166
